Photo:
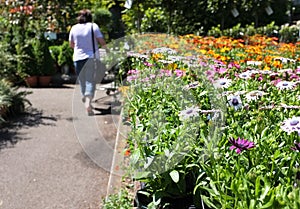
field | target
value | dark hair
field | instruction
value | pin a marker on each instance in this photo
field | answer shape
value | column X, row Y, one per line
column 84, row 16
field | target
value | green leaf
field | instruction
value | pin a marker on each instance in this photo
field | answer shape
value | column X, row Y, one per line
column 175, row 176
column 269, row 203
column 257, row 186
column 265, row 190
column 252, row 204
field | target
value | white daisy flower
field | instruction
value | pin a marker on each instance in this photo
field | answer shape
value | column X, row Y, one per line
column 245, row 75
column 257, row 63
column 253, row 71
column 235, row 101
column 284, row 60
column 137, row 55
column 238, row 93
column 288, row 70
column 291, row 124
column 189, row 112
column 191, row 85
column 222, row 83
column 266, row 72
column 165, row 61
column 285, row 85
column 254, row 95
column 163, row 50
column 176, row 58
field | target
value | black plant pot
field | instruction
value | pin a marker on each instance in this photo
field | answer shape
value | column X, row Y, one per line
column 180, row 203
column 141, row 201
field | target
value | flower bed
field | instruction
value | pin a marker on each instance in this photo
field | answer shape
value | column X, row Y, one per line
column 215, row 121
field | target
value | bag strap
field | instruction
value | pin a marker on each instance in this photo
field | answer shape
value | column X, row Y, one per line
column 93, row 41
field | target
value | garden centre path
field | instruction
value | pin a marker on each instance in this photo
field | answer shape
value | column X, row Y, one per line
column 43, row 165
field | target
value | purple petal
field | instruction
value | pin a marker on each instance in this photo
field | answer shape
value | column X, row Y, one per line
column 232, row 147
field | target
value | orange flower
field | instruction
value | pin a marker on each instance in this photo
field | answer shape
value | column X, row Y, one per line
column 127, row 152
column 277, row 64
column 172, row 66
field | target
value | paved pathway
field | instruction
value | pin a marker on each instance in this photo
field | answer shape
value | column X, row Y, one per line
column 44, row 164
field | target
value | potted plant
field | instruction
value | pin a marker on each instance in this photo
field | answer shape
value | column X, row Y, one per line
column 65, row 57
column 26, row 64
column 54, row 51
column 44, row 61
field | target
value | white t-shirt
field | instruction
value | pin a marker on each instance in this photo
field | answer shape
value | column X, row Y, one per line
column 81, row 35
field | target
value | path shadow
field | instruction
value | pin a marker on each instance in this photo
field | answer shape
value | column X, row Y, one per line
column 9, row 132
column 103, row 111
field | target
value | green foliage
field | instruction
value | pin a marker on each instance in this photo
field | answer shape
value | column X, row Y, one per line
column 289, row 33
column 27, row 66
column 65, row 55
column 12, row 100
column 54, row 51
column 120, row 200
column 176, row 157
column 8, row 63
column 43, row 58
column 154, row 20
column 103, row 18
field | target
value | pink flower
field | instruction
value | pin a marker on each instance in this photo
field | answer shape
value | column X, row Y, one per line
column 294, row 77
column 148, row 64
column 132, row 78
column 275, row 82
column 222, row 70
column 165, row 72
column 132, row 72
column 240, row 144
column 179, row 73
column 233, row 65
column 296, row 147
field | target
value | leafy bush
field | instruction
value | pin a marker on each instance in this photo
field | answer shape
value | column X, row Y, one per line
column 12, row 101
column 8, row 63
column 103, row 18
column 43, row 58
column 120, row 200
column 287, row 33
column 65, row 55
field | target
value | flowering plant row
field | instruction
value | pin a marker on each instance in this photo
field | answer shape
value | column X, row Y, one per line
column 215, row 120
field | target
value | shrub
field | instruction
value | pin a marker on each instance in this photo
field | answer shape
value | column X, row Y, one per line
column 65, row 55
column 12, row 101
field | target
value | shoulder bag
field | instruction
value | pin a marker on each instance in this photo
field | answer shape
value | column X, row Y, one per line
column 99, row 67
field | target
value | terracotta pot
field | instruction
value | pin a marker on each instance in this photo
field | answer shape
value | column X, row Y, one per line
column 31, row 81
column 44, row 81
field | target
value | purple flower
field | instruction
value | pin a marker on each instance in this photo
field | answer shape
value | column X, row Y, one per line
column 179, row 73
column 132, row 78
column 296, row 147
column 148, row 64
column 240, row 144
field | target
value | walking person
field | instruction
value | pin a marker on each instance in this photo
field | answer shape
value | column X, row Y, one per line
column 81, row 40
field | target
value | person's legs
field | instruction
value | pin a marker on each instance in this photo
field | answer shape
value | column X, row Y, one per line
column 79, row 65
column 90, row 82
column 90, row 85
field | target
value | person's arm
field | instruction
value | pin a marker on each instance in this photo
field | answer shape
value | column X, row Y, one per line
column 102, row 42
column 71, row 40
